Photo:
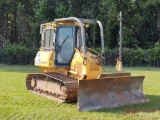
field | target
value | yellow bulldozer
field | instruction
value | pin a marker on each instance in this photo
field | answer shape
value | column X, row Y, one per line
column 73, row 72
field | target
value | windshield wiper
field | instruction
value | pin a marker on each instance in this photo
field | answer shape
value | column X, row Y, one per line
column 59, row 47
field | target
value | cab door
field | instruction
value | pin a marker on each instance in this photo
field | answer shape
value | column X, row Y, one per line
column 64, row 45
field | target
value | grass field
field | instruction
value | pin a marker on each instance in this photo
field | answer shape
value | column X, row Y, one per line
column 17, row 103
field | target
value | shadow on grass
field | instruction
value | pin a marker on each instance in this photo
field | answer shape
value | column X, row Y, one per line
column 150, row 107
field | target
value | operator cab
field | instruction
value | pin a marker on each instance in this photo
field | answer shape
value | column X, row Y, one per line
column 63, row 37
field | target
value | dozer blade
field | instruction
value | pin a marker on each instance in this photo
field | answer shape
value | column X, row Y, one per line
column 110, row 92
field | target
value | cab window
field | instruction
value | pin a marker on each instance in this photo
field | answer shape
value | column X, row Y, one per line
column 49, row 38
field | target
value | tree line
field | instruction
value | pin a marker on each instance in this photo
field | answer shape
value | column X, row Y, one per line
column 20, row 20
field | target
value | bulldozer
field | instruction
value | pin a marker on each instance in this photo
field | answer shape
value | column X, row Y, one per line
column 71, row 71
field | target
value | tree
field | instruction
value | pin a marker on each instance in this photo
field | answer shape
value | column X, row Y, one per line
column 20, row 20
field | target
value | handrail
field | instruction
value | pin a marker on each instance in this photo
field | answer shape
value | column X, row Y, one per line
column 102, row 37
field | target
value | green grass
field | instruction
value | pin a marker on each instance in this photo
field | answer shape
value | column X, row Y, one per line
column 17, row 103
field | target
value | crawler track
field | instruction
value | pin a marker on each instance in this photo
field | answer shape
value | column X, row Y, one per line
column 53, row 85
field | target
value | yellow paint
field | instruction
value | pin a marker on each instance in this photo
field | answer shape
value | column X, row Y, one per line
column 75, row 66
column 91, row 70
column 44, row 58
column 50, row 24
column 94, row 68
column 53, row 69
